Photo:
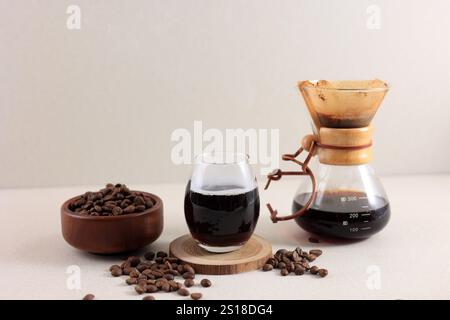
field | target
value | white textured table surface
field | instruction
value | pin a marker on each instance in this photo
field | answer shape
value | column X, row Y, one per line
column 409, row 259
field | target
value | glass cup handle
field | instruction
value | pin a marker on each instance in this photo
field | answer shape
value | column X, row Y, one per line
column 305, row 171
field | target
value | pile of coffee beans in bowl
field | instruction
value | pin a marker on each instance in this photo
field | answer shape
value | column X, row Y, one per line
column 112, row 200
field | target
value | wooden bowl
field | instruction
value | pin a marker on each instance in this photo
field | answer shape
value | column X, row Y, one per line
column 112, row 234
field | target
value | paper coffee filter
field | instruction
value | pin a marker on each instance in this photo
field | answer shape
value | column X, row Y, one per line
column 343, row 103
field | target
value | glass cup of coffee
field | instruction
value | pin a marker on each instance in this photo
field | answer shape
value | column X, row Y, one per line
column 221, row 203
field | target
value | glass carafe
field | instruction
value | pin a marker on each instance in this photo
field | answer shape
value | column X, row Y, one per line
column 350, row 202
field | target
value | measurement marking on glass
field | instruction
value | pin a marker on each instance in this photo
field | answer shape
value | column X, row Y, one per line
column 366, row 221
column 362, row 198
column 366, row 228
column 364, row 206
column 365, row 214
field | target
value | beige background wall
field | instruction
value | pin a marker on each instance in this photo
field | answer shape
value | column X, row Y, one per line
column 99, row 104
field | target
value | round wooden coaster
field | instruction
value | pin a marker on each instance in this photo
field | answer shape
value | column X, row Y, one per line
column 250, row 257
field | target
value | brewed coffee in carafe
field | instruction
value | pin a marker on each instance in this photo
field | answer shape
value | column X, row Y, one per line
column 343, row 198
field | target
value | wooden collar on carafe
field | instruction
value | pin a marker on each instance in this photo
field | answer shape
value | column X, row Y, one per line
column 342, row 146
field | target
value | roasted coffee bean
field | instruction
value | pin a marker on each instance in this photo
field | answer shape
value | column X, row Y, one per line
column 139, row 201
column 299, row 270
column 174, row 285
column 196, row 296
column 316, row 252
column 128, row 270
column 149, row 203
column 134, row 261
column 131, row 281
column 305, row 265
column 160, row 282
column 188, row 275
column 134, row 274
column 158, row 274
column 296, row 256
column 129, row 209
column 311, row 257
column 284, row 272
column 140, row 289
column 120, row 196
column 205, row 283
column 314, row 270
column 323, row 272
column 147, row 272
column 174, row 272
column 149, row 255
column 168, row 276
column 281, row 252
column 140, row 208
column 89, row 296
column 271, row 261
column 189, row 283
column 142, row 277
column 159, row 260
column 117, row 211
column 188, row 268
column 150, row 288
column 116, row 272
column 183, row 292
column 114, row 266
column 267, row 267
column 286, row 260
column 165, row 287
column 142, row 266
column 161, row 254
column 141, row 282
column 281, row 265
column 148, row 298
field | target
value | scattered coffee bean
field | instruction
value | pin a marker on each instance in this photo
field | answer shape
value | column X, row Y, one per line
column 149, row 256
column 268, row 267
column 169, row 276
column 126, row 271
column 151, row 288
column 295, row 261
column 189, row 283
column 188, row 275
column 183, row 292
column 131, row 281
column 188, row 268
column 299, row 270
column 165, row 287
column 205, row 283
column 140, row 289
column 196, row 296
column 148, row 298
column 316, row 252
column 157, row 273
column 314, row 270
column 89, row 296
column 134, row 274
column 113, row 267
column 116, row 272
column 323, row 272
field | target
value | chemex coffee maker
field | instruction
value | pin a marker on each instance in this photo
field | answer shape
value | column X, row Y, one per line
column 344, row 197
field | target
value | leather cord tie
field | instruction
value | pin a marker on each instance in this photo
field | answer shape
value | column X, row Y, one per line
column 277, row 174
